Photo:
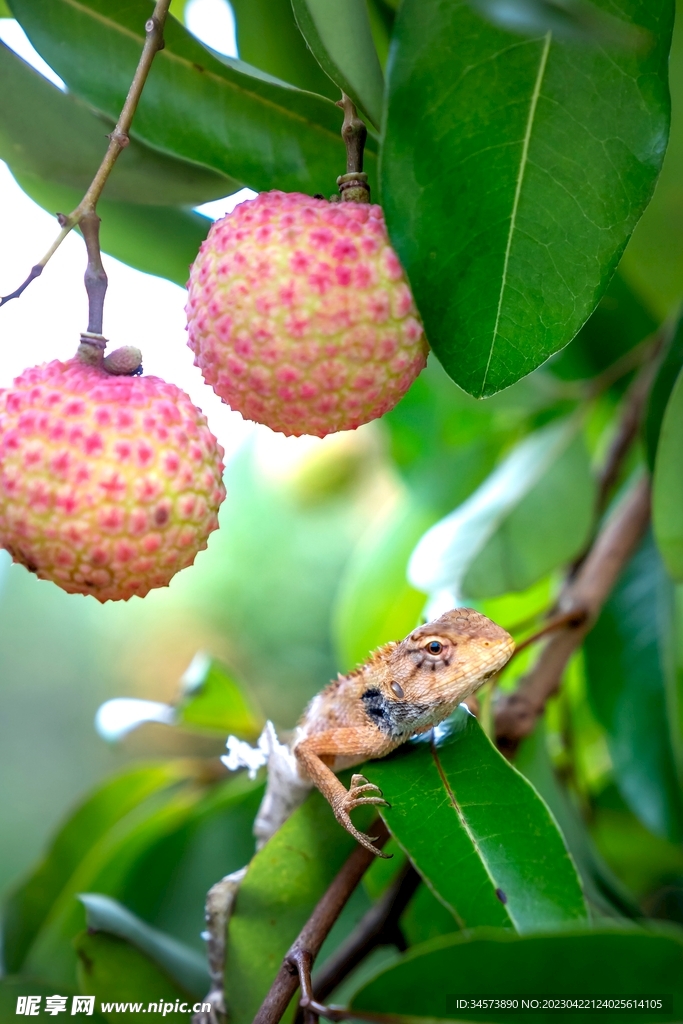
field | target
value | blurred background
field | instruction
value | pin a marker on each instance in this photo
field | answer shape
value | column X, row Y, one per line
column 307, row 572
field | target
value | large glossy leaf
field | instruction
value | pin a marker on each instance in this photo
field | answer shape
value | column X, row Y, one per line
column 630, row 681
column 28, row 905
column 268, row 38
column 220, row 113
column 114, row 971
column 604, row 892
column 185, row 966
column 339, row 35
column 428, row 981
column 284, row 882
column 667, row 497
column 54, row 136
column 478, row 832
column 531, row 515
column 161, row 240
column 513, row 173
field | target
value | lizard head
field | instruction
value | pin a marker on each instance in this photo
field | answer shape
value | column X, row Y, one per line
column 424, row 677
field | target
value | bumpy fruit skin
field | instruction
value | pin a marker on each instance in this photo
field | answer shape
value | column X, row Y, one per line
column 300, row 316
column 108, row 485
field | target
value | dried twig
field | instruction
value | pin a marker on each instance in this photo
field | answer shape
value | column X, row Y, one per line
column 85, row 213
column 584, row 595
column 307, row 946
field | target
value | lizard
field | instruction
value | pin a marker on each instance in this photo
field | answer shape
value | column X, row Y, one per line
column 403, row 689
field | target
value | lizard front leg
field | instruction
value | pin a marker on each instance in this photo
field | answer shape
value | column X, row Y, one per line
column 314, row 750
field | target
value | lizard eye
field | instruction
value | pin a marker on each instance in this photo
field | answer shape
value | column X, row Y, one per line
column 435, row 647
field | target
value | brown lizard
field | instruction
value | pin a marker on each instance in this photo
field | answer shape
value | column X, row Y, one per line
column 404, row 688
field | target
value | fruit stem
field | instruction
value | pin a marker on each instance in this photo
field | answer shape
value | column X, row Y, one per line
column 85, row 213
column 95, row 274
column 353, row 186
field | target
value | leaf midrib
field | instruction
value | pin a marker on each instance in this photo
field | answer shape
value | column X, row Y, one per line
column 518, row 191
column 463, row 821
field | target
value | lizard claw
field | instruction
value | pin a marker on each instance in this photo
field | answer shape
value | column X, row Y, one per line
column 359, row 785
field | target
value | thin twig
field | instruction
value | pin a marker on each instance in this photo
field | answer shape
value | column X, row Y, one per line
column 628, row 426
column 118, row 140
column 516, row 713
column 378, row 927
column 573, row 618
column 316, row 930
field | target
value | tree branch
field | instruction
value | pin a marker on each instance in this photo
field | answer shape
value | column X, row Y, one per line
column 629, row 422
column 316, row 930
column 118, row 140
column 585, row 594
column 377, row 928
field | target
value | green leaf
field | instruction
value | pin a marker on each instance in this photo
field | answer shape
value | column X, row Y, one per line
column 4, row 10
column 134, row 862
column 667, row 488
column 603, row 890
column 161, row 240
column 339, row 35
column 478, row 832
column 27, row 907
column 660, row 392
column 426, row 917
column 217, row 112
column 429, row 979
column 268, row 37
column 513, row 172
column 183, row 965
column 530, row 516
column 212, row 699
column 375, row 602
column 51, row 135
column 14, row 986
column 114, row 971
column 653, row 260
column 284, row 882
column 630, row 681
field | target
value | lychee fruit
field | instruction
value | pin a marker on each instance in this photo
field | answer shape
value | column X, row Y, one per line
column 108, row 485
column 300, row 315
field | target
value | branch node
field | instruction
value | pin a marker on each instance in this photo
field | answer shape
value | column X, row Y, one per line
column 353, row 185
column 120, row 138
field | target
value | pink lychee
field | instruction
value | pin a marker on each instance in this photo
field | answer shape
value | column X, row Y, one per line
column 108, row 485
column 300, row 315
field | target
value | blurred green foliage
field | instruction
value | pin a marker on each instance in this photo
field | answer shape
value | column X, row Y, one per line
column 309, row 570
